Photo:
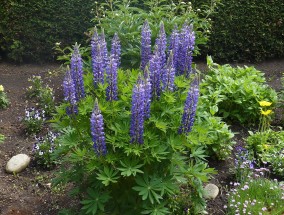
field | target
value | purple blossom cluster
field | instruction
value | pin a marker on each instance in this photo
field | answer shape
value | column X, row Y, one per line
column 155, row 75
column 97, row 131
column 76, row 68
column 111, row 71
column 70, row 93
column 138, row 112
column 145, row 45
column 116, row 49
column 190, row 107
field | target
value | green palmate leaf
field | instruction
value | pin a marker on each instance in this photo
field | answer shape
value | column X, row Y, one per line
column 95, row 201
column 108, row 176
column 161, row 125
column 156, row 210
column 130, row 168
column 149, row 188
column 160, row 152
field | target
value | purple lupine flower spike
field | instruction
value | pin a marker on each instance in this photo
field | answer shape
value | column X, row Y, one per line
column 155, row 74
column 189, row 108
column 137, row 113
column 161, row 44
column 76, row 68
column 169, row 75
column 70, row 93
column 111, row 71
column 97, row 131
column 174, row 46
column 104, row 50
column 147, row 88
column 116, row 49
column 98, row 67
column 145, row 45
column 94, row 45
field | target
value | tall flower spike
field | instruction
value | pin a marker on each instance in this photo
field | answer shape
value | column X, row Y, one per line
column 116, row 49
column 137, row 113
column 169, row 75
column 104, row 50
column 189, row 109
column 69, row 93
column 174, row 46
column 98, row 67
column 155, row 74
column 147, row 88
column 161, row 44
column 111, row 71
column 77, row 72
column 186, row 47
column 145, row 45
column 94, row 45
column 97, row 131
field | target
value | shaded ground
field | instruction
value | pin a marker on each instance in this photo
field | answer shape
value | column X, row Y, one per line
column 28, row 192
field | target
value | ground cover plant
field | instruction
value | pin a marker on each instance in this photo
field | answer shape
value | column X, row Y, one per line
column 4, row 101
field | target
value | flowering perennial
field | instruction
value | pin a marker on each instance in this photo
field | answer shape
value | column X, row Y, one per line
column 161, row 45
column 137, row 113
column 111, row 71
column 145, row 45
column 70, row 93
column 174, row 46
column 169, row 75
column 76, row 69
column 147, row 88
column 155, row 75
column 189, row 108
column 116, row 49
column 97, row 131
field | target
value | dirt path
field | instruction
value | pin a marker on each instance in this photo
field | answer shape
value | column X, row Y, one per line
column 29, row 191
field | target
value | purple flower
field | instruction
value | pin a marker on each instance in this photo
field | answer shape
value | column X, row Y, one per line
column 104, row 51
column 147, row 88
column 98, row 67
column 97, row 131
column 189, row 109
column 161, row 45
column 169, row 75
column 70, row 93
column 77, row 72
column 145, row 45
column 155, row 75
column 116, row 49
column 186, row 47
column 111, row 71
column 137, row 113
column 174, row 46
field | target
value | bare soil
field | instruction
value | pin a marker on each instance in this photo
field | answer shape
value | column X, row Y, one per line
column 29, row 192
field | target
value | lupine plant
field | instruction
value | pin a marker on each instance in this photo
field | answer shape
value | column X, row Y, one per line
column 4, row 101
column 137, row 141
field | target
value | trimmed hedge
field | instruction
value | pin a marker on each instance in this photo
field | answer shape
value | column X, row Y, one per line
column 29, row 29
column 247, row 30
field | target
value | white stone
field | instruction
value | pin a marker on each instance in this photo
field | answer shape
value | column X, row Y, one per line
column 18, row 163
column 211, row 191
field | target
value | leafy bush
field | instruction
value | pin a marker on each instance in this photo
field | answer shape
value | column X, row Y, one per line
column 234, row 93
column 45, row 23
column 33, row 120
column 247, row 30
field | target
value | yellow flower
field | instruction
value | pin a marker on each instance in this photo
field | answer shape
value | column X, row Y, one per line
column 1, row 88
column 265, row 146
column 267, row 112
column 264, row 103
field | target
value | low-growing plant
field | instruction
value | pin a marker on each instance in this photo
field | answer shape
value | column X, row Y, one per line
column 44, row 95
column 43, row 149
column 2, row 138
column 257, row 196
column 234, row 93
column 33, row 120
column 4, row 101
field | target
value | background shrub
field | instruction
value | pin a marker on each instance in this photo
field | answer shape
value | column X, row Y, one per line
column 247, row 30
column 30, row 29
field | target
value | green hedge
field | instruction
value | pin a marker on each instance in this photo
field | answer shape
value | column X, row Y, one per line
column 247, row 30
column 29, row 29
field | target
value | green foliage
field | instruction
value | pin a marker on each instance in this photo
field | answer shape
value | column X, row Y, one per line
column 45, row 23
column 234, row 93
column 258, row 196
column 33, row 120
column 4, row 101
column 247, row 30
column 126, row 18
column 43, row 95
column 268, row 147
column 2, row 138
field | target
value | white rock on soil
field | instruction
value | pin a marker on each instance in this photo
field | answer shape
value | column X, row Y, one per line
column 211, row 191
column 18, row 163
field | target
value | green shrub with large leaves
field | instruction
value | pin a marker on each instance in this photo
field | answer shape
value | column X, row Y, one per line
column 234, row 93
